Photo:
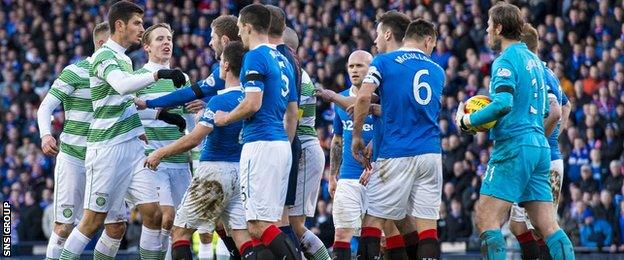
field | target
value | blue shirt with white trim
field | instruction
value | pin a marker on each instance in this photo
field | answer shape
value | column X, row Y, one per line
column 223, row 143
column 266, row 70
column 410, row 88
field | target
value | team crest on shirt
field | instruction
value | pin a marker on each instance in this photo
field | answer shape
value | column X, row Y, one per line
column 67, row 213
column 503, row 72
column 100, row 201
column 210, row 80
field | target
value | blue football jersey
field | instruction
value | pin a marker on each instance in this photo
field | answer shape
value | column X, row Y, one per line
column 343, row 125
column 266, row 70
column 223, row 143
column 288, row 56
column 211, row 84
column 519, row 71
column 410, row 88
column 554, row 88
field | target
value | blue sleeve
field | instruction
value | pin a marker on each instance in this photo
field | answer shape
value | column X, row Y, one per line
column 207, row 119
column 254, row 72
column 184, row 95
column 337, row 124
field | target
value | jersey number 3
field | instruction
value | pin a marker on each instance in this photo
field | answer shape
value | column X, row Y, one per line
column 418, row 85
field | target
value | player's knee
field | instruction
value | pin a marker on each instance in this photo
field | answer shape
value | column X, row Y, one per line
column 115, row 230
column 178, row 233
column 91, row 223
column 298, row 224
column 485, row 219
column 167, row 222
column 152, row 216
column 343, row 234
column 255, row 229
column 63, row 230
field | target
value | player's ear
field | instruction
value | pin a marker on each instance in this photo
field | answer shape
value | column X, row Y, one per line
column 119, row 25
column 224, row 40
column 388, row 35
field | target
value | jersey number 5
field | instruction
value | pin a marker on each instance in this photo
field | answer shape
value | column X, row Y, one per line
column 419, row 85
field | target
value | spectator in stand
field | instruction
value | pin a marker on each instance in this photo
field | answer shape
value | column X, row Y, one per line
column 595, row 233
column 458, row 224
column 613, row 181
column 588, row 183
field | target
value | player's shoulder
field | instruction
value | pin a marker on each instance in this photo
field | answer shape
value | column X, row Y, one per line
column 103, row 53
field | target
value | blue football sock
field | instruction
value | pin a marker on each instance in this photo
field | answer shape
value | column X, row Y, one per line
column 560, row 245
column 493, row 245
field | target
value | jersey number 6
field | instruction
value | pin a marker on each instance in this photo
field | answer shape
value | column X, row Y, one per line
column 419, row 85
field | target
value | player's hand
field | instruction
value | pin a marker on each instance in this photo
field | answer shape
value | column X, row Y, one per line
column 195, row 105
column 173, row 119
column 365, row 177
column 332, row 185
column 176, row 75
column 358, row 149
column 221, row 118
column 325, row 94
column 140, row 103
column 461, row 122
column 48, row 145
column 152, row 161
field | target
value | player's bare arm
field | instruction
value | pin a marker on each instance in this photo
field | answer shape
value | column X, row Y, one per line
column 335, row 160
column 362, row 107
column 554, row 114
column 565, row 115
column 184, row 144
column 291, row 117
column 250, row 105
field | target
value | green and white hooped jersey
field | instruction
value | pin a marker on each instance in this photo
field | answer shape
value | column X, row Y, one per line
column 115, row 117
column 307, row 110
column 72, row 89
column 160, row 134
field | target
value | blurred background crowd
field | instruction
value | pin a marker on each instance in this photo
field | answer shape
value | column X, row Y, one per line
column 581, row 41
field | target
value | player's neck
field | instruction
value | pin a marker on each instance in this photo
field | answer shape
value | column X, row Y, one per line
column 161, row 61
column 119, row 39
column 276, row 40
column 415, row 45
column 257, row 39
column 393, row 46
column 231, row 81
column 506, row 42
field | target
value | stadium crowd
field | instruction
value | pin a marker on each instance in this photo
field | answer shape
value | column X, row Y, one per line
column 582, row 41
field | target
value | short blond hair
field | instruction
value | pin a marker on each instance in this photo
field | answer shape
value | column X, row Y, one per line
column 146, row 35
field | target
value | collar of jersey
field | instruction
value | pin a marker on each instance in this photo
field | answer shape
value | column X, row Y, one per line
column 115, row 46
column 153, row 66
column 272, row 46
column 230, row 89
column 351, row 93
column 411, row 49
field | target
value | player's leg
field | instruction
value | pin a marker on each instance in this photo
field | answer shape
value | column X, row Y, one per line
column 143, row 193
column 68, row 201
column 537, row 198
column 106, row 181
column 311, row 166
column 388, row 196
column 556, row 181
column 407, row 227
column 503, row 183
column 395, row 245
column 233, row 217
column 228, row 241
column 266, row 164
column 518, row 227
column 424, row 202
column 178, row 181
column 291, row 193
column 181, row 243
column 110, row 240
column 348, row 209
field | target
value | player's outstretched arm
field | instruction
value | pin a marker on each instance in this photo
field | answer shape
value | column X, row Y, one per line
column 249, row 106
column 184, row 144
column 554, row 114
column 500, row 106
column 182, row 96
